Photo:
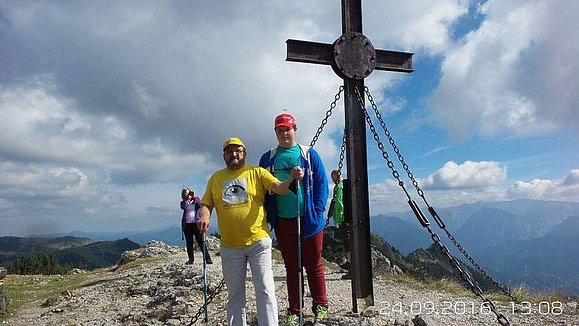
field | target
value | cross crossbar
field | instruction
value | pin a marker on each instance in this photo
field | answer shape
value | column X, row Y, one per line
column 353, row 57
column 323, row 53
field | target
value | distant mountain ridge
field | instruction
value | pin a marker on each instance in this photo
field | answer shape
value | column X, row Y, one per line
column 77, row 252
column 548, row 262
column 12, row 248
column 527, row 241
column 523, row 241
column 96, row 255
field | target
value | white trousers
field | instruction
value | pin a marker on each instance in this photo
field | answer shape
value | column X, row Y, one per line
column 234, row 263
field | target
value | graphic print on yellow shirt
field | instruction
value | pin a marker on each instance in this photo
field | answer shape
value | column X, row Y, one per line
column 235, row 193
column 238, row 197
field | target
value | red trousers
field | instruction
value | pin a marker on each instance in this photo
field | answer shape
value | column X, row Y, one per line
column 286, row 234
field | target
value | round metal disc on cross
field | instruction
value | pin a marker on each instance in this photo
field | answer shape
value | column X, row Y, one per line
column 354, row 56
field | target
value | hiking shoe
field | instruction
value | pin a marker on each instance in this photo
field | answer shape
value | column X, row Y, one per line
column 321, row 313
column 292, row 320
column 347, row 266
column 189, row 262
column 347, row 276
column 208, row 261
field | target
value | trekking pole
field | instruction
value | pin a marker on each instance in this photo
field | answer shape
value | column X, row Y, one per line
column 300, row 267
column 203, row 250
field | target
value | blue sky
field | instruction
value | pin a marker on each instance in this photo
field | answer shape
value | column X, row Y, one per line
column 108, row 109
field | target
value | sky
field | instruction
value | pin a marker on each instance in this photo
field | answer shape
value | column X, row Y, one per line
column 109, row 108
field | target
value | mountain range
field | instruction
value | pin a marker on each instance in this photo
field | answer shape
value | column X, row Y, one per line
column 76, row 252
column 527, row 242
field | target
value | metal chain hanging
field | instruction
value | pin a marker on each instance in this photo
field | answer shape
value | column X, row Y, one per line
column 319, row 132
column 424, row 221
column 433, row 213
column 209, row 300
column 328, row 114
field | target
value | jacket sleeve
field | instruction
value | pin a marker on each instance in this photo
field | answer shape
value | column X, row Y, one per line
column 320, row 183
column 263, row 161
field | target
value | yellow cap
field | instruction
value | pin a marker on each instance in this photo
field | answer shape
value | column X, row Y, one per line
column 233, row 141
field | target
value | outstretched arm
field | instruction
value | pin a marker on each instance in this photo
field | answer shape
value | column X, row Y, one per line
column 204, row 218
column 282, row 188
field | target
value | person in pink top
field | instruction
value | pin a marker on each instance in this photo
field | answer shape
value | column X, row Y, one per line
column 190, row 205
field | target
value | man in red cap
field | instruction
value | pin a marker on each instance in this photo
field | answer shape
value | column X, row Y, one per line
column 306, row 205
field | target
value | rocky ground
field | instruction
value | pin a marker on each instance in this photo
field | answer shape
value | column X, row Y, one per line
column 168, row 292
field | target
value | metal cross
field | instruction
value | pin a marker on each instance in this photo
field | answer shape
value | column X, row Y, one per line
column 353, row 58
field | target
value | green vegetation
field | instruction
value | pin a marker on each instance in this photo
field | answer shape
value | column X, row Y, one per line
column 21, row 290
column 44, row 263
column 525, row 293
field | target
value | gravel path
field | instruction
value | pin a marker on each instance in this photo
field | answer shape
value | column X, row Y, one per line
column 170, row 293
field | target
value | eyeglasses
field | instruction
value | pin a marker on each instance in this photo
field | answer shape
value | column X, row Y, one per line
column 236, row 151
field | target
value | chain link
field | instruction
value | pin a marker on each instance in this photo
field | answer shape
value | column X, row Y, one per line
column 209, row 300
column 390, row 164
column 468, row 278
column 435, row 238
column 328, row 114
column 431, row 209
column 319, row 132
column 342, row 151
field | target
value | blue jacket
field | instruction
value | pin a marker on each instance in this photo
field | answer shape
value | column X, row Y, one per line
column 315, row 185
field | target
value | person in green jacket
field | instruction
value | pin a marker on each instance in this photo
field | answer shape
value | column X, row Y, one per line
column 336, row 211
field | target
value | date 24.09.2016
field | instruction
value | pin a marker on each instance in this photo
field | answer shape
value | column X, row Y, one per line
column 463, row 307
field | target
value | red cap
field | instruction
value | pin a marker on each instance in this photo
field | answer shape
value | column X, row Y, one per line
column 285, row 120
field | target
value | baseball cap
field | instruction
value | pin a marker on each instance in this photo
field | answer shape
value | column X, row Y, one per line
column 233, row 141
column 285, row 120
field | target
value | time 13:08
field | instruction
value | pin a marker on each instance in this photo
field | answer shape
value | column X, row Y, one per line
column 542, row 308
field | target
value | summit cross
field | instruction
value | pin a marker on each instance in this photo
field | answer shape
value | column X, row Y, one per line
column 353, row 58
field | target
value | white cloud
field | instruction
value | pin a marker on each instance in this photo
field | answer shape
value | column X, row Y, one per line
column 416, row 25
column 467, row 175
column 387, row 196
column 566, row 189
column 109, row 107
column 144, row 102
column 572, row 178
column 513, row 75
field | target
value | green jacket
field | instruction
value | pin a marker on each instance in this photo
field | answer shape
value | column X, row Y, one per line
column 336, row 210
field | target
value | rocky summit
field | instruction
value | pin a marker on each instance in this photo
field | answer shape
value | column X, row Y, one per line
column 153, row 286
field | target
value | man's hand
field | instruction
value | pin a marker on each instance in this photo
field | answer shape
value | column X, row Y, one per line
column 297, row 173
column 204, row 218
column 282, row 188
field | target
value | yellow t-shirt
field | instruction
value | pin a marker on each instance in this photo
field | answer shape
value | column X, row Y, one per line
column 238, row 197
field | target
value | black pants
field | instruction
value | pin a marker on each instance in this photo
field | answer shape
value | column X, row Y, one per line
column 345, row 234
column 191, row 231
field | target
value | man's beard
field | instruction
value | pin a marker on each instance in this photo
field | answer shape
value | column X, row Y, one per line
column 235, row 166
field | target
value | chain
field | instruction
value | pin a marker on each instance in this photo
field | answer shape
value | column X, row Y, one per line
column 319, row 132
column 209, row 300
column 328, row 114
column 422, row 219
column 390, row 164
column 430, row 208
column 342, row 151
column 468, row 278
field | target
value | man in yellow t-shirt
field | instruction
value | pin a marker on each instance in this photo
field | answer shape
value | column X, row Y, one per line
column 237, row 192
